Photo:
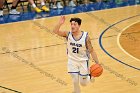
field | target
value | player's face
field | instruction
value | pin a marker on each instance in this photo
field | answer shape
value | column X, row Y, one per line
column 74, row 26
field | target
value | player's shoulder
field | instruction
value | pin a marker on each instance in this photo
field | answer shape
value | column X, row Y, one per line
column 85, row 32
column 67, row 33
column 87, row 36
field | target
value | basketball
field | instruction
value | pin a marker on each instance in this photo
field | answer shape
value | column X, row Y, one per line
column 96, row 70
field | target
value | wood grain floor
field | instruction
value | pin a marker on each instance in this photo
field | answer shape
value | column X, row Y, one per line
column 33, row 59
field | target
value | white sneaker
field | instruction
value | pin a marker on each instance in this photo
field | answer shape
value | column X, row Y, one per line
column 14, row 12
column 72, row 4
column 59, row 5
column 54, row 7
column 1, row 13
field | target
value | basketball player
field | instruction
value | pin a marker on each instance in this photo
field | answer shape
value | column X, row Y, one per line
column 78, row 48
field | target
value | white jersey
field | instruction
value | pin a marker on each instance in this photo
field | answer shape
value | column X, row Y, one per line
column 76, row 49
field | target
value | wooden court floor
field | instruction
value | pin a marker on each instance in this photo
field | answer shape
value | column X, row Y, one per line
column 33, row 59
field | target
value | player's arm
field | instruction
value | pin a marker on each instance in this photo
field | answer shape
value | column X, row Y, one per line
column 56, row 29
column 91, row 50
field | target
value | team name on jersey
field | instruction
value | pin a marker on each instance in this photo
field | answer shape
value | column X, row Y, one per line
column 74, row 44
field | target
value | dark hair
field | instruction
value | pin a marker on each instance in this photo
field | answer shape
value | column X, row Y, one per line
column 78, row 20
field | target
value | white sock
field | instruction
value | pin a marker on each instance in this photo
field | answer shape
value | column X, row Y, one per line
column 42, row 3
column 33, row 5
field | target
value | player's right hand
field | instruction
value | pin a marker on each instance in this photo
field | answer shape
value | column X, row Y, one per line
column 62, row 20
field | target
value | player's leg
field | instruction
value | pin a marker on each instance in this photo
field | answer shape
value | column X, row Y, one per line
column 84, row 73
column 64, row 2
column 71, row 3
column 34, row 6
column 53, row 4
column 73, row 69
column 76, row 86
column 13, row 8
column 59, row 4
column 1, row 7
column 43, row 6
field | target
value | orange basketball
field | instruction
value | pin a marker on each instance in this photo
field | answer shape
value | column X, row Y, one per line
column 96, row 70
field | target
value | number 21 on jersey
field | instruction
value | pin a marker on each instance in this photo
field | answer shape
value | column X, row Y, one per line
column 75, row 50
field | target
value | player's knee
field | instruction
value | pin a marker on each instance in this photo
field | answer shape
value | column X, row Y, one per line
column 83, row 83
column 84, row 80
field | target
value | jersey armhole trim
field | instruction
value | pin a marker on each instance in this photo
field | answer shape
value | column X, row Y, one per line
column 67, row 35
column 86, row 40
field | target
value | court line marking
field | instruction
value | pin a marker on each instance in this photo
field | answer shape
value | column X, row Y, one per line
column 53, row 45
column 101, row 46
column 10, row 89
column 118, row 42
